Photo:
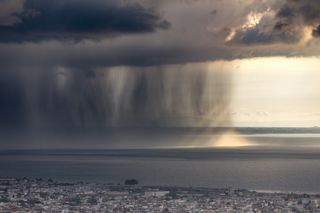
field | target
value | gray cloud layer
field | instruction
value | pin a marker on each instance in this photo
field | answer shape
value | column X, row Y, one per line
column 152, row 32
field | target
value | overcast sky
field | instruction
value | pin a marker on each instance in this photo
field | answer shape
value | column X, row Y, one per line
column 123, row 63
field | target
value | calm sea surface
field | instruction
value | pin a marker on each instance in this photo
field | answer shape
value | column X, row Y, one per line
column 292, row 166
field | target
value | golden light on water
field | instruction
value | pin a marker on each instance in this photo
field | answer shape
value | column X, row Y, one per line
column 230, row 139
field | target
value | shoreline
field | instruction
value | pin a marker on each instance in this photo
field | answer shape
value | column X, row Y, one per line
column 48, row 195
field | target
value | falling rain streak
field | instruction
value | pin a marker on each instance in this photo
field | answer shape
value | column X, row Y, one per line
column 175, row 95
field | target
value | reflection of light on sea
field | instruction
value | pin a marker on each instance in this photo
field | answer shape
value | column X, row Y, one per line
column 230, row 139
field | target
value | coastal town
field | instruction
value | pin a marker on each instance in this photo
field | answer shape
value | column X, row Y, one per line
column 38, row 195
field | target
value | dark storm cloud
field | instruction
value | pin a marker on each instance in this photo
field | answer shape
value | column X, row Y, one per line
column 205, row 40
column 307, row 10
column 298, row 12
column 73, row 19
